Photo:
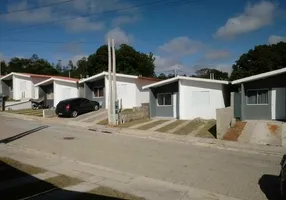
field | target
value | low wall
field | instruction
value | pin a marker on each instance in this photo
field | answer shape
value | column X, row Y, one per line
column 283, row 135
column 138, row 113
column 48, row 113
column 224, row 120
column 17, row 105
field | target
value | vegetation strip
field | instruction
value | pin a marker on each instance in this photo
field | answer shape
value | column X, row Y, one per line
column 134, row 122
column 151, row 125
column 170, row 126
column 191, row 126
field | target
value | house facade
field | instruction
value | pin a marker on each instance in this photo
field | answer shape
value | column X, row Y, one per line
column 129, row 89
column 261, row 97
column 20, row 86
column 187, row 98
column 56, row 89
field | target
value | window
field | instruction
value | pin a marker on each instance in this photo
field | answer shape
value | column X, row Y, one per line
column 255, row 97
column 164, row 99
column 98, row 92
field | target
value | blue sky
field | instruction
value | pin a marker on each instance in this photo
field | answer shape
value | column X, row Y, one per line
column 191, row 34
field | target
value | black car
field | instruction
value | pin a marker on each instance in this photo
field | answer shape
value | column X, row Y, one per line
column 75, row 106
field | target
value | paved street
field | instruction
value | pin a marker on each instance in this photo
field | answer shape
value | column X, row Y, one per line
column 235, row 174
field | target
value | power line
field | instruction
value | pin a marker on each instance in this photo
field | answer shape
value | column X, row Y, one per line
column 36, row 7
column 51, row 42
column 172, row 3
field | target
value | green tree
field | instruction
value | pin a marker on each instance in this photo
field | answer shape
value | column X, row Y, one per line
column 162, row 76
column 4, row 68
column 59, row 66
column 33, row 65
column 262, row 58
column 82, row 68
column 128, row 61
column 205, row 73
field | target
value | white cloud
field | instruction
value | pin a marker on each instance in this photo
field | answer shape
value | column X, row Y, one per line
column 163, row 64
column 181, row 46
column 84, row 24
column 215, row 55
column 4, row 58
column 274, row 39
column 75, row 10
column 124, row 20
column 76, row 58
column 119, row 36
column 255, row 16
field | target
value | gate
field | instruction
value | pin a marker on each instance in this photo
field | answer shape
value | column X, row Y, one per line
column 237, row 105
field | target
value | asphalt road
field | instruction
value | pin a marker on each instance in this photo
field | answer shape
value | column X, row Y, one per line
column 236, row 174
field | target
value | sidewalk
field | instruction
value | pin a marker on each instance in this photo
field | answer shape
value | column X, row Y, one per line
column 205, row 142
column 100, row 176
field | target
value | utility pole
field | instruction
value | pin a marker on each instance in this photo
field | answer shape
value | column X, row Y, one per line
column 109, row 107
column 114, row 95
column 0, row 69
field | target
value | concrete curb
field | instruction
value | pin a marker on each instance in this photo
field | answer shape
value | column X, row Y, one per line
column 154, row 135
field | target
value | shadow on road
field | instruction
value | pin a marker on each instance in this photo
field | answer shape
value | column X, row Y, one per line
column 36, row 188
column 15, row 137
column 270, row 186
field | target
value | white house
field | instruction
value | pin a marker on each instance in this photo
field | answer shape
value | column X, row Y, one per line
column 56, row 89
column 19, row 86
column 187, row 97
column 129, row 89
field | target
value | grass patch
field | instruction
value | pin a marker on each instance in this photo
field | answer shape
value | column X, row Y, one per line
column 170, row 126
column 16, row 169
column 62, row 181
column 134, row 122
column 151, row 125
column 208, row 131
column 103, row 122
column 32, row 112
column 191, row 126
column 109, row 192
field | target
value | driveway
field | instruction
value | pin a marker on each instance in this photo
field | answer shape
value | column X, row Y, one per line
column 90, row 118
column 262, row 132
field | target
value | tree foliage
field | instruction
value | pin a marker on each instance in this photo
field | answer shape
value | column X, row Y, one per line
column 262, row 58
column 128, row 61
column 205, row 73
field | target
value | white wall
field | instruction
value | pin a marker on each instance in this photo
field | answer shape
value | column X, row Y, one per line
column 64, row 90
column 22, row 87
column 35, row 90
column 142, row 96
column 126, row 90
column 278, row 100
column 194, row 102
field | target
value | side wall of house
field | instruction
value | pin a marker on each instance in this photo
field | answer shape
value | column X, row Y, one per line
column 126, row 91
column 22, row 87
column 200, row 99
column 64, row 90
column 35, row 90
column 88, row 91
column 142, row 96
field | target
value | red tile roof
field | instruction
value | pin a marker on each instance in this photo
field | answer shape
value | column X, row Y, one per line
column 49, row 76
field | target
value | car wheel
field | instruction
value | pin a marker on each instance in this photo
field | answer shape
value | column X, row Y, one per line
column 96, row 107
column 74, row 113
